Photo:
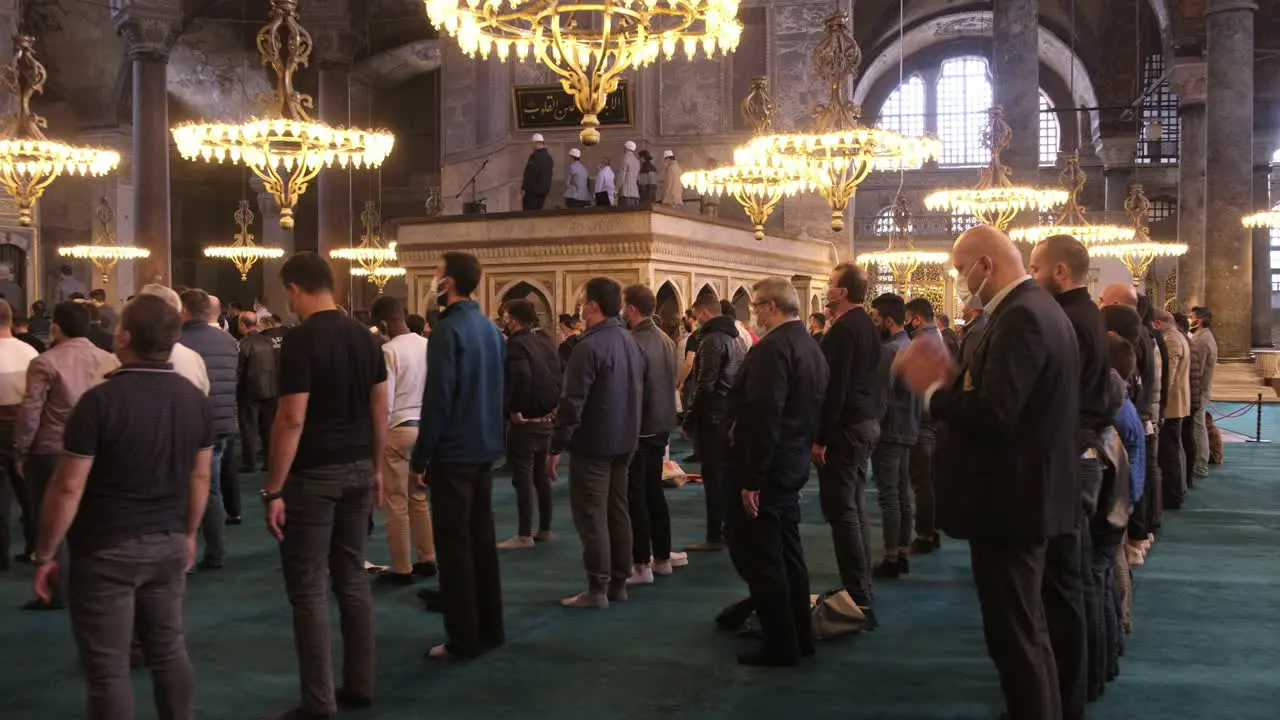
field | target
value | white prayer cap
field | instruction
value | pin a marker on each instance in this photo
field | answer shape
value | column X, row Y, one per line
column 630, row 146
column 667, row 154
column 537, row 137
column 575, row 153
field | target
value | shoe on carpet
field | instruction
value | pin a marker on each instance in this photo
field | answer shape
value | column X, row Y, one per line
column 1134, row 556
column 760, row 659
column 211, row 564
column 425, row 569
column 871, row 622
column 38, row 604
column 679, row 559
column 890, row 569
column 519, row 542
column 662, row 568
column 544, row 536
column 926, row 544
column 617, row 591
column 641, row 575
column 705, row 546
column 351, row 701
column 590, row 600
column 387, row 577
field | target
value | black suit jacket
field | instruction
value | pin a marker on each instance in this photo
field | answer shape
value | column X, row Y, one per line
column 773, row 411
column 1007, row 463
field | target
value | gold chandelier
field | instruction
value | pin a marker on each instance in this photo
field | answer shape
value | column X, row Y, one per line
column 1138, row 254
column 841, row 153
column 103, row 250
column 995, row 200
column 758, row 187
column 588, row 43
column 1263, row 220
column 381, row 275
column 243, row 252
column 900, row 255
column 287, row 149
column 370, row 256
column 1071, row 221
column 29, row 161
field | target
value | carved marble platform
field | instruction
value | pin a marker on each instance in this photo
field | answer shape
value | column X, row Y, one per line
column 553, row 253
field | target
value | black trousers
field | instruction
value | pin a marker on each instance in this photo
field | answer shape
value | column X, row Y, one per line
column 1173, row 463
column 1189, row 448
column 529, row 201
column 256, row 418
column 779, row 581
column 1100, row 609
column 1009, row 573
column 326, row 512
column 467, row 555
column 230, row 478
column 921, row 468
column 647, row 503
column 12, row 487
column 1064, row 608
column 709, row 443
column 602, row 200
column 842, row 483
column 1141, row 517
column 570, row 202
column 527, row 457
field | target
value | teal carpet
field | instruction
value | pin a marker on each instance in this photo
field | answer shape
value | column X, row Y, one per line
column 1206, row 642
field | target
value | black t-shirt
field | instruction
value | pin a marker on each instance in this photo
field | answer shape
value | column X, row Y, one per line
column 337, row 361
column 143, row 428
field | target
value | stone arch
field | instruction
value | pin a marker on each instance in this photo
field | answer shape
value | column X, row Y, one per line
column 880, row 75
column 742, row 303
column 536, row 293
column 706, row 289
column 669, row 307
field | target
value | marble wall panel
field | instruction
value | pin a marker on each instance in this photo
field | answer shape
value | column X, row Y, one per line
column 796, row 29
column 692, row 97
column 458, row 114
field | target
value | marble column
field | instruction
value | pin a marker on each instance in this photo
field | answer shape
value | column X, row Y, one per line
column 1016, row 69
column 1189, row 80
column 335, row 51
column 1260, row 317
column 150, row 40
column 273, row 235
column 1228, row 180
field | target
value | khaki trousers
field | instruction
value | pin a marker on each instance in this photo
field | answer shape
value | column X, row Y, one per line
column 408, row 518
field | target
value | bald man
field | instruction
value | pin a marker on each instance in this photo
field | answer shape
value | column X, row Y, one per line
column 1120, row 294
column 1007, row 479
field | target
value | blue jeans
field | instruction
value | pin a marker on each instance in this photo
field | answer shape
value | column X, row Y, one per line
column 214, row 525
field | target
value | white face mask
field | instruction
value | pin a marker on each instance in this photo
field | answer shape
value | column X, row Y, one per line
column 437, row 286
column 962, row 284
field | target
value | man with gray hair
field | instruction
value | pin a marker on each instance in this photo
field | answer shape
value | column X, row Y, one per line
column 186, row 362
column 773, row 409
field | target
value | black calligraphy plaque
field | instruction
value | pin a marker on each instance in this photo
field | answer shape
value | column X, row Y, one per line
column 548, row 107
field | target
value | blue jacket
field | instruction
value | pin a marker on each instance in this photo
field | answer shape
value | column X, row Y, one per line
column 1132, row 434
column 901, row 421
column 599, row 411
column 462, row 415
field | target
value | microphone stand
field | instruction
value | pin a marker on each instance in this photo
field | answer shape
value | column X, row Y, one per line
column 475, row 207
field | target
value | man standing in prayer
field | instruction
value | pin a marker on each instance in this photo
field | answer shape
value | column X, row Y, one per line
column 715, row 370
column 575, row 190
column 650, row 517
column 1008, row 479
column 15, row 359
column 533, row 378
column 920, row 322
column 1205, row 348
column 604, row 184
column 323, row 481
column 628, row 182
column 128, row 496
column 598, row 422
column 899, row 430
column 672, row 189
column 460, row 438
column 55, row 381
column 409, row 538
column 1177, row 409
column 537, row 176
column 848, row 430
column 257, row 391
column 773, row 409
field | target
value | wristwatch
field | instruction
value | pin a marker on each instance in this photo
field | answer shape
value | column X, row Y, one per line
column 268, row 496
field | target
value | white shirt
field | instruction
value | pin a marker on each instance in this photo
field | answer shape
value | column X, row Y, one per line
column 186, row 362
column 604, row 182
column 15, row 356
column 406, row 357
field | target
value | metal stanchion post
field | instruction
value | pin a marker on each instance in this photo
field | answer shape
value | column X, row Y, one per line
column 1257, row 430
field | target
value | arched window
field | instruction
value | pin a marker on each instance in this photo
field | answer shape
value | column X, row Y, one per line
column 1050, row 132
column 1160, row 126
column 963, row 95
column 903, row 112
column 884, row 222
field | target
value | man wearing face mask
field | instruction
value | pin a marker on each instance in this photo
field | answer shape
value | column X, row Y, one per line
column 921, row 463
column 459, row 439
column 1008, row 477
column 848, row 429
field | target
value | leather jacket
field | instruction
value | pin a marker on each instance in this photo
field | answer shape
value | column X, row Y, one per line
column 259, row 374
column 715, row 369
